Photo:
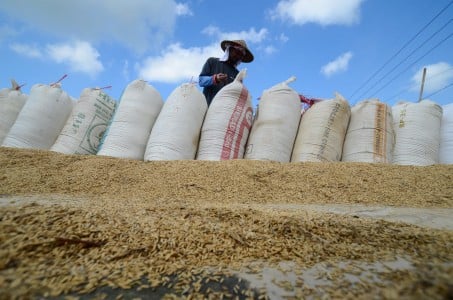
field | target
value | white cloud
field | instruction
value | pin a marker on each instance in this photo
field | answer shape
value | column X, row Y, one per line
column 250, row 36
column 323, row 12
column 269, row 50
column 136, row 24
column 283, row 38
column 211, row 31
column 26, row 50
column 183, row 10
column 339, row 64
column 177, row 64
column 437, row 76
column 79, row 56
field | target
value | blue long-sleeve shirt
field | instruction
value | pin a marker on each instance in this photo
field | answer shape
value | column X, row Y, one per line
column 206, row 79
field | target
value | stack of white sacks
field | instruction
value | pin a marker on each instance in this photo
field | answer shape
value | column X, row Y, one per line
column 370, row 136
column 446, row 135
column 322, row 131
column 86, row 124
column 142, row 126
column 11, row 102
column 227, row 123
column 130, row 127
column 417, row 130
column 41, row 119
column 176, row 132
column 276, row 123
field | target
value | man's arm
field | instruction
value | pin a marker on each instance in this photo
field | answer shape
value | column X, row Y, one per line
column 207, row 76
column 206, row 80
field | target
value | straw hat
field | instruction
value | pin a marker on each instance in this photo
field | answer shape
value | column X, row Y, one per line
column 248, row 55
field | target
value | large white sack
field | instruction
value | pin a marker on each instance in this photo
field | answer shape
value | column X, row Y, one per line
column 128, row 133
column 11, row 102
column 446, row 135
column 41, row 119
column 322, row 131
column 176, row 132
column 276, row 123
column 227, row 123
column 417, row 133
column 370, row 136
column 86, row 124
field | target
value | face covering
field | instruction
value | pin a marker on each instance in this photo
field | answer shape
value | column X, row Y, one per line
column 227, row 54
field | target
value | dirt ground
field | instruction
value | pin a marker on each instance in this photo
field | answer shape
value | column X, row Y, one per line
column 93, row 227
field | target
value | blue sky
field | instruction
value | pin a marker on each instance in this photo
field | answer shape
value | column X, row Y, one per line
column 360, row 48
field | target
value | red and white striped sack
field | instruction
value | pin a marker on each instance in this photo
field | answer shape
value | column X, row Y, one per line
column 227, row 123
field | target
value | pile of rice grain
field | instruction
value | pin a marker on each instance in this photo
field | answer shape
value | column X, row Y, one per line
column 233, row 181
column 71, row 225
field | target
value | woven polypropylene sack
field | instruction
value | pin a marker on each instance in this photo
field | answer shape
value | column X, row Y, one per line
column 86, row 124
column 446, row 135
column 128, row 133
column 275, row 125
column 227, row 123
column 417, row 133
column 322, row 131
column 370, row 136
column 176, row 132
column 11, row 102
column 41, row 119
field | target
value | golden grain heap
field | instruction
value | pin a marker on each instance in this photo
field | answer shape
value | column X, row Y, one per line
column 103, row 227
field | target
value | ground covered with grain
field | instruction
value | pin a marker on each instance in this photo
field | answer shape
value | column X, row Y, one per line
column 92, row 227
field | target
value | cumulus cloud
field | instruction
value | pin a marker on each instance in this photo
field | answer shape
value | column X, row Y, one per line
column 251, row 35
column 136, row 24
column 269, row 50
column 80, row 56
column 283, row 38
column 323, row 12
column 31, row 51
column 211, row 30
column 338, row 65
column 183, row 10
column 177, row 64
column 437, row 77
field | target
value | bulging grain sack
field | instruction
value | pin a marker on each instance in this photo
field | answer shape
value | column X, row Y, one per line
column 276, row 123
column 370, row 137
column 417, row 133
column 322, row 131
column 41, row 119
column 227, row 123
column 86, row 124
column 176, row 132
column 446, row 135
column 11, row 102
column 128, row 133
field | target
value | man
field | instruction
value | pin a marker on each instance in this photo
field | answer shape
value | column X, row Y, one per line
column 218, row 72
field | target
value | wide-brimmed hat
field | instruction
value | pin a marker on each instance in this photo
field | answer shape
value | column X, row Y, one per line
column 248, row 54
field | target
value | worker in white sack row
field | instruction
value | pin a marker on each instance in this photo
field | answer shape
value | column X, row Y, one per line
column 218, row 72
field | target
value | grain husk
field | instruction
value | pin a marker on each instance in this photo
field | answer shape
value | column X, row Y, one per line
column 74, row 225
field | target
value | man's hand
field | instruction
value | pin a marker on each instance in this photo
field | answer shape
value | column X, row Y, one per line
column 221, row 77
